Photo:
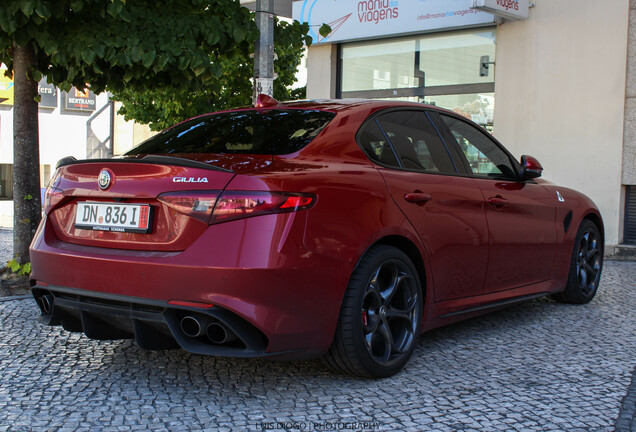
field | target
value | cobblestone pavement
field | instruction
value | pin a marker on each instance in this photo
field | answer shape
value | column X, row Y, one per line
column 538, row 366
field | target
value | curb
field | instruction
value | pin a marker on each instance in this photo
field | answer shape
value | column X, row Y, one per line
column 626, row 421
column 19, row 297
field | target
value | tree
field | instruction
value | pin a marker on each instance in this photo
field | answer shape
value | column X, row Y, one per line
column 164, row 106
column 110, row 44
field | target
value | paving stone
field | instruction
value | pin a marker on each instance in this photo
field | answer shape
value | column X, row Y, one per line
column 537, row 366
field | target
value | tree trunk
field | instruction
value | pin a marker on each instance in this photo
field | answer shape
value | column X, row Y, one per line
column 26, row 154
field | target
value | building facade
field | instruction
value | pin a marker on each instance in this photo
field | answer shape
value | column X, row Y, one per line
column 74, row 123
column 555, row 79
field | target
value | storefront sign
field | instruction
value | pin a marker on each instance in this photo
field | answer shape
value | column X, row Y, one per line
column 6, row 89
column 363, row 19
column 48, row 94
column 510, row 9
column 78, row 100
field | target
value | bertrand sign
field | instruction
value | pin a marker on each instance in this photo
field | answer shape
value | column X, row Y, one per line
column 363, row 19
column 78, row 100
column 510, row 9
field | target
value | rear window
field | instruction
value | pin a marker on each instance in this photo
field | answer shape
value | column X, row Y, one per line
column 263, row 132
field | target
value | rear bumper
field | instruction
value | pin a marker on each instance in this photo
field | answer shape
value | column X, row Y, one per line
column 153, row 324
column 254, row 270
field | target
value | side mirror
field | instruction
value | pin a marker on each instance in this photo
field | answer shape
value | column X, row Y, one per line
column 530, row 167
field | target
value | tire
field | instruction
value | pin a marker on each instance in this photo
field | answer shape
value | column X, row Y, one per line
column 585, row 266
column 380, row 317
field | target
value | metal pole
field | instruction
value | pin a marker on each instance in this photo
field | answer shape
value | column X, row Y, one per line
column 264, row 50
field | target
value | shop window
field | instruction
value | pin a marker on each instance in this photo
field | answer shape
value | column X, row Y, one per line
column 630, row 215
column 441, row 69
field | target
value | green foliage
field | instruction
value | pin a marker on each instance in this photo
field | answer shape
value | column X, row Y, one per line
column 126, row 44
column 20, row 269
column 119, row 45
column 324, row 30
column 164, row 106
column 165, row 60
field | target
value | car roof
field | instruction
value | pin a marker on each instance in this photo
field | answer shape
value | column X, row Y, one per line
column 332, row 105
column 338, row 105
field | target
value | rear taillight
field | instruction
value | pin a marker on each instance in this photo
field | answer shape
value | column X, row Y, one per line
column 237, row 205
column 197, row 204
column 209, row 207
column 52, row 198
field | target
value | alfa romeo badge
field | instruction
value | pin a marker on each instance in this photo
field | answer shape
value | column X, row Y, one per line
column 104, row 179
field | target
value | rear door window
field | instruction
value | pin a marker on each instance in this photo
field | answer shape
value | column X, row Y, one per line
column 255, row 132
column 407, row 140
column 415, row 141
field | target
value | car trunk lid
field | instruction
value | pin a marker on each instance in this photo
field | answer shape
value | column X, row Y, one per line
column 132, row 187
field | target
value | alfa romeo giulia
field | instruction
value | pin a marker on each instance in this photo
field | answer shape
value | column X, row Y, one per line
column 341, row 229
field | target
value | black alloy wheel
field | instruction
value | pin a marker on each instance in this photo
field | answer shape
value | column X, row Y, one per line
column 380, row 316
column 585, row 267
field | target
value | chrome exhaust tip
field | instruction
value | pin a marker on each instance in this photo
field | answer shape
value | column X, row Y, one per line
column 191, row 326
column 46, row 302
column 219, row 333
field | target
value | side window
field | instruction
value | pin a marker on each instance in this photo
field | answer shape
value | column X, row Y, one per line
column 416, row 142
column 484, row 156
column 375, row 145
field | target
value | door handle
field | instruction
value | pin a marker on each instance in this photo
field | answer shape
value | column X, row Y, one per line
column 417, row 197
column 497, row 202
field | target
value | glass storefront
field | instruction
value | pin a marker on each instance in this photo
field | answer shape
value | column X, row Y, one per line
column 443, row 69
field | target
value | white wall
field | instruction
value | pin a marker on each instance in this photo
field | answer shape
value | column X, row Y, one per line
column 321, row 71
column 62, row 133
column 560, row 96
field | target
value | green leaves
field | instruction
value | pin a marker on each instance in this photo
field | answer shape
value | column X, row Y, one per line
column 27, row 7
column 114, row 8
column 14, row 265
column 148, row 58
column 20, row 269
column 25, row 270
column 165, row 60
column 88, row 55
column 219, row 81
column 43, row 10
column 324, row 30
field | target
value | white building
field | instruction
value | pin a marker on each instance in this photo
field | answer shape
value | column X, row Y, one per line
column 559, row 85
column 79, row 124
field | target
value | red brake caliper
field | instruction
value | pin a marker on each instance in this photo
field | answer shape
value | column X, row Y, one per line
column 365, row 318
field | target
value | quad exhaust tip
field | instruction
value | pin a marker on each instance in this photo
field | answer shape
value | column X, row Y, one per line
column 46, row 302
column 217, row 333
column 192, row 326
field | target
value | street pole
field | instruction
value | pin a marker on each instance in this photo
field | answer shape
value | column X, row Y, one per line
column 264, row 50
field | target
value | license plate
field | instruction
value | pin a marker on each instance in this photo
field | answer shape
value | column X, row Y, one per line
column 117, row 217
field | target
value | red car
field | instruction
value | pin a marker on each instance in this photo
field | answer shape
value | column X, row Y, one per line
column 335, row 228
